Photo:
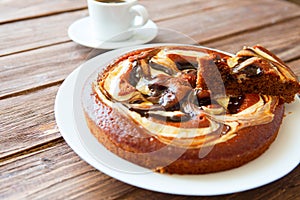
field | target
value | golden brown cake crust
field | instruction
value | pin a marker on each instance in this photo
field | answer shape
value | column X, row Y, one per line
column 127, row 140
column 125, row 135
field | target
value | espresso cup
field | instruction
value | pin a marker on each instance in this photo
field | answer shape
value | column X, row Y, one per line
column 115, row 20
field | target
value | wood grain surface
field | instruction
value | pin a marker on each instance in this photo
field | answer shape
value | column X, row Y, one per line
column 36, row 55
column 11, row 10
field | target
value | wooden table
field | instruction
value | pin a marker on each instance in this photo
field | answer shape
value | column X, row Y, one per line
column 36, row 56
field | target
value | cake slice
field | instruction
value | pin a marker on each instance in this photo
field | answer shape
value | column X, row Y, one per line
column 251, row 70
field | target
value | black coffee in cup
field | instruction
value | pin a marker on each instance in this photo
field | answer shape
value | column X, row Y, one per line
column 111, row 1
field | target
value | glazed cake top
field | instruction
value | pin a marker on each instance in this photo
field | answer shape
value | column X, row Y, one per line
column 160, row 89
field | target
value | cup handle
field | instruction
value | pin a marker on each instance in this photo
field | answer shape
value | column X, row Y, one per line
column 140, row 15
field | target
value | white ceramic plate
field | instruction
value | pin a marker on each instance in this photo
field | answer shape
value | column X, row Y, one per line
column 81, row 33
column 281, row 158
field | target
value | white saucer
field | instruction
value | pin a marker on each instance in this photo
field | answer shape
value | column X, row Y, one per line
column 81, row 33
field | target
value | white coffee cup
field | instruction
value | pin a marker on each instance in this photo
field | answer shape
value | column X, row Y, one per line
column 115, row 21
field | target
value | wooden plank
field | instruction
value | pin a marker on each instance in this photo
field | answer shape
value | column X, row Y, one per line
column 27, row 121
column 294, row 1
column 169, row 9
column 205, row 23
column 244, row 15
column 35, row 33
column 39, row 67
column 11, row 10
column 284, row 40
column 56, row 173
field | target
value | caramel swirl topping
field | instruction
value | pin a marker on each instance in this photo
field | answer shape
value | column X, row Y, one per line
column 159, row 89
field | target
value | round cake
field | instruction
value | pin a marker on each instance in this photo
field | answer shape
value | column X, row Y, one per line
column 160, row 108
